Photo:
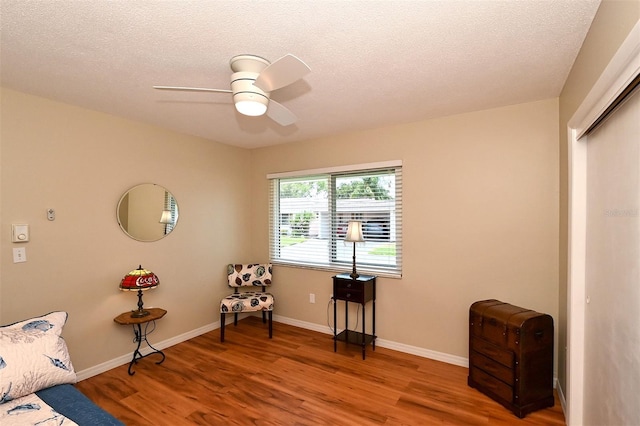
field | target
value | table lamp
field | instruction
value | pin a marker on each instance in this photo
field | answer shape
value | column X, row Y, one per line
column 354, row 235
column 139, row 280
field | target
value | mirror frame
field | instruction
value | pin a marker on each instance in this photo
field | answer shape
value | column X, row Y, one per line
column 125, row 198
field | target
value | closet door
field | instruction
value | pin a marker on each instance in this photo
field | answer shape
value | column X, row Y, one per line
column 612, row 275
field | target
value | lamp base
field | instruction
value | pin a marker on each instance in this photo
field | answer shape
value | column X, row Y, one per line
column 139, row 313
column 354, row 275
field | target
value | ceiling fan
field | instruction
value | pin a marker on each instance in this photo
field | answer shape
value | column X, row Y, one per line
column 253, row 80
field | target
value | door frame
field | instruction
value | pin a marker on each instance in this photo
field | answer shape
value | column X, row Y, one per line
column 618, row 74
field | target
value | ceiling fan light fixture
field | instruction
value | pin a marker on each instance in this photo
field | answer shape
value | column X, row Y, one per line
column 250, row 104
column 252, row 81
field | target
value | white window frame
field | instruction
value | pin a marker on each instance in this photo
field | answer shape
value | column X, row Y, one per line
column 336, row 247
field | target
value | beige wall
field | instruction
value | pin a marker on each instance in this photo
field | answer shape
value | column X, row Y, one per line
column 480, row 220
column 79, row 163
column 611, row 25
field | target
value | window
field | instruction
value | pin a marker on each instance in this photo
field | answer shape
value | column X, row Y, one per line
column 309, row 213
column 171, row 206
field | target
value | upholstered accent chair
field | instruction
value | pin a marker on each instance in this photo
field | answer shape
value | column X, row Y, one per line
column 248, row 275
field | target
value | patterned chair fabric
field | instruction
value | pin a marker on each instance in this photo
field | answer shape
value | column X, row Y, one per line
column 248, row 301
column 254, row 274
column 247, row 275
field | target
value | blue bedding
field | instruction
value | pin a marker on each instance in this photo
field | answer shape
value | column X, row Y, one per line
column 71, row 403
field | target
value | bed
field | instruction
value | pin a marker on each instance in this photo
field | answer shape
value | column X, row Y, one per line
column 71, row 403
column 37, row 377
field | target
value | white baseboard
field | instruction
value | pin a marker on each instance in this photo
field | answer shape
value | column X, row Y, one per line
column 401, row 347
column 125, row 359
column 425, row 353
column 303, row 324
column 563, row 400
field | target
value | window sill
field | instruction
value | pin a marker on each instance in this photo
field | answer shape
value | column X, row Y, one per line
column 339, row 269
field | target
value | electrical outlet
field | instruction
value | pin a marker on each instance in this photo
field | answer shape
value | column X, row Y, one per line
column 312, row 298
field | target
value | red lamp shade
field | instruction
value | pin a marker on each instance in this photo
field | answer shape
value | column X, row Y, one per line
column 138, row 280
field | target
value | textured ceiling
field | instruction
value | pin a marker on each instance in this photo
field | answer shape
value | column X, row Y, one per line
column 374, row 63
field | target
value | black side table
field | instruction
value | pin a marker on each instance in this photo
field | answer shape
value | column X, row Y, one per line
column 125, row 318
column 360, row 290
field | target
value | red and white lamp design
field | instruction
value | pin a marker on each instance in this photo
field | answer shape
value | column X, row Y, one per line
column 139, row 280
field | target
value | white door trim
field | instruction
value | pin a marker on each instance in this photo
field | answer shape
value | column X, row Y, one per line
column 622, row 69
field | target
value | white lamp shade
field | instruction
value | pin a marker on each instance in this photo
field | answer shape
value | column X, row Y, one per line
column 354, row 231
column 166, row 216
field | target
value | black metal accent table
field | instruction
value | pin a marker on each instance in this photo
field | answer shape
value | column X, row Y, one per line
column 125, row 318
column 360, row 290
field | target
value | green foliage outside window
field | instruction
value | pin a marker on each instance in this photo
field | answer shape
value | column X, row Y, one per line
column 365, row 187
column 300, row 224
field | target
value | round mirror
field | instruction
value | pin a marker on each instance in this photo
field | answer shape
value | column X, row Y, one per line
column 147, row 212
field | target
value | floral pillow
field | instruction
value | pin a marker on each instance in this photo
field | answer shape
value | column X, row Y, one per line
column 33, row 356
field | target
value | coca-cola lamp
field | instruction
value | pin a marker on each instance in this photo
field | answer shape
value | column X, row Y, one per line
column 139, row 280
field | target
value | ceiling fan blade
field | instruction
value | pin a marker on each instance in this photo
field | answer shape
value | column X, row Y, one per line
column 191, row 89
column 280, row 114
column 281, row 73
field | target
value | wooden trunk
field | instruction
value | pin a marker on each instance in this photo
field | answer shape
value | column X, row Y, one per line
column 511, row 355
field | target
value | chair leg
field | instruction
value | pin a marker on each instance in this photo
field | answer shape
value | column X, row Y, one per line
column 264, row 317
column 270, row 324
column 222, row 320
column 235, row 318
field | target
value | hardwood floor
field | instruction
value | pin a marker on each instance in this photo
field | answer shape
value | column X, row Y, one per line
column 295, row 379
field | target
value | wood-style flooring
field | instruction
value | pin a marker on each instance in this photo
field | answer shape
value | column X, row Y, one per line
column 295, row 379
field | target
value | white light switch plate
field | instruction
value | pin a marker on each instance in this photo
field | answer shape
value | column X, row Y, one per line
column 19, row 255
